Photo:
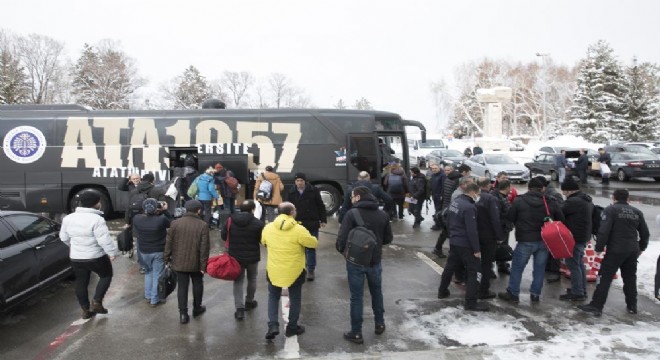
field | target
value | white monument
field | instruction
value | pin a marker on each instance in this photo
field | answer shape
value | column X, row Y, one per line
column 492, row 129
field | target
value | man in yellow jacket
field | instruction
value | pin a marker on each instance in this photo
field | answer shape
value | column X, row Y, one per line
column 286, row 241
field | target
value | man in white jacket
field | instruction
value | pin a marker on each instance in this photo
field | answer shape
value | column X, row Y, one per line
column 92, row 250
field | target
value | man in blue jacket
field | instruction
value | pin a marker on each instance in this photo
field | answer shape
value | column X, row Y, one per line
column 464, row 249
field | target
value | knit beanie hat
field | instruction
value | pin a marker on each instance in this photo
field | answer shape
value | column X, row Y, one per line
column 88, row 199
column 300, row 176
column 149, row 206
column 570, row 185
column 534, row 183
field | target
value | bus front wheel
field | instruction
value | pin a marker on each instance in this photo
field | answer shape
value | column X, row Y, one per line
column 106, row 207
column 331, row 197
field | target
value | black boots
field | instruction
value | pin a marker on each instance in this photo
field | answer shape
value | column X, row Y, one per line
column 273, row 330
column 86, row 313
column 184, row 318
column 199, row 310
column 239, row 314
column 97, row 307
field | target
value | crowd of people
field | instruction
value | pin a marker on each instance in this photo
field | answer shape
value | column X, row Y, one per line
column 475, row 215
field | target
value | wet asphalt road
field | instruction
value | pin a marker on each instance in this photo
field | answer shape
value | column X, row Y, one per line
column 49, row 326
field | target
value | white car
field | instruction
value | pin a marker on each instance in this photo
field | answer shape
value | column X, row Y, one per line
column 489, row 165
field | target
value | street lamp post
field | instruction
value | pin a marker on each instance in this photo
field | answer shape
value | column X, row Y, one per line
column 545, row 88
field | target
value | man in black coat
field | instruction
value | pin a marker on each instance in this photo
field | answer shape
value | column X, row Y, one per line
column 528, row 215
column 310, row 212
column 464, row 249
column 625, row 233
column 582, row 165
column 437, row 180
column 243, row 237
column 577, row 210
column 448, row 188
column 417, row 192
column 377, row 221
column 490, row 233
column 501, row 192
column 552, row 267
column 364, row 179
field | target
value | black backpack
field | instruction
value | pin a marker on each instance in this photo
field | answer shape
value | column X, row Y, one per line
column 595, row 219
column 125, row 240
column 361, row 243
column 395, row 184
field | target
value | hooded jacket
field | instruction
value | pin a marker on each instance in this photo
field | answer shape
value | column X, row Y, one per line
column 286, row 241
column 406, row 185
column 244, row 237
column 451, row 184
column 86, row 233
column 376, row 190
column 152, row 191
column 310, row 209
column 577, row 210
column 275, row 180
column 418, row 186
column 528, row 215
column 620, row 225
column 374, row 219
column 462, row 223
column 187, row 246
column 504, row 206
column 206, row 188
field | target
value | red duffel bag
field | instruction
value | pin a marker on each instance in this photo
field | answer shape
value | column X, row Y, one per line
column 557, row 237
column 224, row 266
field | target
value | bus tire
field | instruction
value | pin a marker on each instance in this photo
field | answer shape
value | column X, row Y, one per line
column 106, row 206
column 331, row 197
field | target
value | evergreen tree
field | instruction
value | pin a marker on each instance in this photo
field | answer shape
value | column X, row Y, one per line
column 191, row 90
column 642, row 93
column 598, row 106
column 14, row 88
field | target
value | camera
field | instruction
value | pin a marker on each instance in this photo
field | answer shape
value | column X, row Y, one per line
column 161, row 204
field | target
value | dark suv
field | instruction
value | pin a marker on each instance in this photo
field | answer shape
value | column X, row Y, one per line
column 545, row 164
column 31, row 256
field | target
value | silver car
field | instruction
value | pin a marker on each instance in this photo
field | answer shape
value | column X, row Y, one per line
column 489, row 165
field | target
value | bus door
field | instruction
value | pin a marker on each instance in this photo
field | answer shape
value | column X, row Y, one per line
column 238, row 164
column 362, row 155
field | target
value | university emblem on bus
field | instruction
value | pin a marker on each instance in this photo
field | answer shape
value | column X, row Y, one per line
column 24, row 144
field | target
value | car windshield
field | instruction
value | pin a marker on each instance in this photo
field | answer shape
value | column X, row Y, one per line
column 636, row 156
column 499, row 159
column 452, row 153
column 432, row 143
column 639, row 150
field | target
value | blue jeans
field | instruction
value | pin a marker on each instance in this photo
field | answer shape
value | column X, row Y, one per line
column 153, row 264
column 562, row 174
column 578, row 272
column 229, row 204
column 310, row 254
column 521, row 255
column 356, row 274
column 295, row 302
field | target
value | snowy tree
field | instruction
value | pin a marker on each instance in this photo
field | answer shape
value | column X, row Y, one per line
column 280, row 88
column 642, row 92
column 362, row 104
column 189, row 90
column 237, row 83
column 41, row 57
column 597, row 113
column 14, row 87
column 340, row 104
column 104, row 77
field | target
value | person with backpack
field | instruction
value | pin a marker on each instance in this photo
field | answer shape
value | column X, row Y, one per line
column 448, row 188
column 206, row 193
column 268, row 191
column 310, row 212
column 417, row 192
column 189, row 175
column 144, row 190
column 243, row 231
column 365, row 213
column 229, row 187
column 396, row 185
column 364, row 179
column 578, row 210
column 624, row 232
column 464, row 247
column 150, row 227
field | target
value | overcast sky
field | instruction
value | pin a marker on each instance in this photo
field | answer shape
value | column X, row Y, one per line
column 386, row 51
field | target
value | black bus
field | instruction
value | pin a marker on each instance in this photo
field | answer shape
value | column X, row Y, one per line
column 53, row 152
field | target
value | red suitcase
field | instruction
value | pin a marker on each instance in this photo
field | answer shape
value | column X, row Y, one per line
column 557, row 237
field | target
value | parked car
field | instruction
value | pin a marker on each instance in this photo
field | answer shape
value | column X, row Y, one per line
column 626, row 166
column 489, row 165
column 630, row 149
column 516, row 146
column 421, row 149
column 545, row 164
column 32, row 256
column 656, row 150
column 445, row 157
column 643, row 144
